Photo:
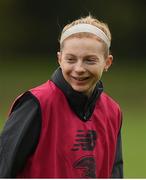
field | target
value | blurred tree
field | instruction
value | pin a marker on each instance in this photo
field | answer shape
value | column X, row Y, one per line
column 29, row 26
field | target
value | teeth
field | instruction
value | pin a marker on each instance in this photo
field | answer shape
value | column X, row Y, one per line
column 80, row 79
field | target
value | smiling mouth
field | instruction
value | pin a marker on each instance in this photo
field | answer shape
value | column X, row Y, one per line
column 80, row 78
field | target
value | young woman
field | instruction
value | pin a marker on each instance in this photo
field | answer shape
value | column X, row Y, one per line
column 67, row 127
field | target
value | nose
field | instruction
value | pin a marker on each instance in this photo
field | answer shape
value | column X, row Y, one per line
column 79, row 67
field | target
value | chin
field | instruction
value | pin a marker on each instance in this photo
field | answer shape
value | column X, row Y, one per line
column 81, row 90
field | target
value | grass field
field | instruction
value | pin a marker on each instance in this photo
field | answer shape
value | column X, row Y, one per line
column 124, row 82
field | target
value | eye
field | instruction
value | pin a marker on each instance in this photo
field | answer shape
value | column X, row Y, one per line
column 91, row 61
column 71, row 60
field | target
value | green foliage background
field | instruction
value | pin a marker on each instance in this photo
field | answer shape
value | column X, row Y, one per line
column 29, row 29
column 125, row 82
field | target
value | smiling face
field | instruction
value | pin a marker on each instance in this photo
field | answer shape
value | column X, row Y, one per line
column 82, row 62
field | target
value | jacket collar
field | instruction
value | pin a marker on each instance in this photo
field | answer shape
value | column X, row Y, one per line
column 80, row 103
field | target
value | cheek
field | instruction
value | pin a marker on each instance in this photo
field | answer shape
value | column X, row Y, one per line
column 101, row 72
column 98, row 73
column 66, row 70
column 66, row 67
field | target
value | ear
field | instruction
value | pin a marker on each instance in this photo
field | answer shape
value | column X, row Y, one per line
column 59, row 57
column 108, row 62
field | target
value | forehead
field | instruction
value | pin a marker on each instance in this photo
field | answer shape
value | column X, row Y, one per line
column 82, row 45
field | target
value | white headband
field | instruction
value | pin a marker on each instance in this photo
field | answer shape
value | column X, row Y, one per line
column 85, row 28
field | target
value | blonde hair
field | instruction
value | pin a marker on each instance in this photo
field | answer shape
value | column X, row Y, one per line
column 88, row 20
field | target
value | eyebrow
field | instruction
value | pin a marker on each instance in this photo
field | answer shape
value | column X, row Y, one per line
column 92, row 56
column 70, row 56
column 86, row 56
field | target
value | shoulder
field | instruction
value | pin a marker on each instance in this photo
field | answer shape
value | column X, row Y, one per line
column 34, row 96
column 111, row 108
column 46, row 89
column 109, row 101
column 27, row 99
column 48, row 94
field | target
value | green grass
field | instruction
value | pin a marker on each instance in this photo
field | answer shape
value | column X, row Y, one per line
column 124, row 82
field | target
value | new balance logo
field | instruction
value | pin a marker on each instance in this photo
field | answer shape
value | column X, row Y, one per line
column 85, row 140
